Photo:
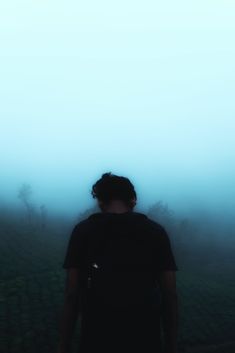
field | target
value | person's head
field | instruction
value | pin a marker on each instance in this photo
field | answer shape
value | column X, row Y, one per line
column 113, row 190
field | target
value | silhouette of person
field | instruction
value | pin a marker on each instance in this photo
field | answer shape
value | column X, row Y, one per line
column 128, row 300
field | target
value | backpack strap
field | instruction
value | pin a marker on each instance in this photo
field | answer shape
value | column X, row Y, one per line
column 95, row 247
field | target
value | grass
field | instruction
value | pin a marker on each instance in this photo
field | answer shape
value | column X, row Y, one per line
column 31, row 298
column 30, row 307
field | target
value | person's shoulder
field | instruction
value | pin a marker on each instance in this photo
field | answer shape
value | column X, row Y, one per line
column 150, row 224
column 89, row 223
column 154, row 224
column 81, row 226
column 156, row 228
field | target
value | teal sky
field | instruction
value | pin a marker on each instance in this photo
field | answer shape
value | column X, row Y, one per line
column 144, row 89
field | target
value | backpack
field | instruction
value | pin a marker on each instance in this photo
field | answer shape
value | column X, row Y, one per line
column 116, row 279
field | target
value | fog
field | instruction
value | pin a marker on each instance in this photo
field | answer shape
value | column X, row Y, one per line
column 62, row 164
column 142, row 89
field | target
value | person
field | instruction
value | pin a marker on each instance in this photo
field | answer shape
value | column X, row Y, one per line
column 139, row 319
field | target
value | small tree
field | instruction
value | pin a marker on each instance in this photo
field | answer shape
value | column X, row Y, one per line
column 43, row 216
column 24, row 195
column 161, row 213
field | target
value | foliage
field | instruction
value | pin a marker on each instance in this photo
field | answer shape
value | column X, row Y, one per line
column 160, row 212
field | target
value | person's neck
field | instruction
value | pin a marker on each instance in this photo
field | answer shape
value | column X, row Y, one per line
column 117, row 208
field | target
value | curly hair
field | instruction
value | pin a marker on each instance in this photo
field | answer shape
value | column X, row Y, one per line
column 113, row 187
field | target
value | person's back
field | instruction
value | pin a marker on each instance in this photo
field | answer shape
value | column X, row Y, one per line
column 127, row 268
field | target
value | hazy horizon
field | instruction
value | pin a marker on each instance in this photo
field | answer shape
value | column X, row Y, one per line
column 144, row 90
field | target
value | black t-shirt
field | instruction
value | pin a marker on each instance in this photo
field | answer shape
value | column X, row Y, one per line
column 151, row 251
column 152, row 237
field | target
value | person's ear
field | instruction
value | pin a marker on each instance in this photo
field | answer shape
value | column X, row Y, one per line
column 101, row 205
column 133, row 201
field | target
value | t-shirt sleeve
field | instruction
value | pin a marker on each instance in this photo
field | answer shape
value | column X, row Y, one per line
column 165, row 256
column 74, row 256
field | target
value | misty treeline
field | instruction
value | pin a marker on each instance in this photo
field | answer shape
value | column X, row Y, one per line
column 198, row 241
column 31, row 212
column 29, row 216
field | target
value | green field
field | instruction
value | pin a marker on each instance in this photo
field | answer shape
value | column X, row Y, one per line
column 31, row 297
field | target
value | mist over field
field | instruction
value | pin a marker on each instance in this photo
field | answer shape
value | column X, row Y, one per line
column 141, row 89
column 144, row 90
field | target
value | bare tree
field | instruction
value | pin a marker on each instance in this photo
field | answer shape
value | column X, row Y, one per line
column 43, row 216
column 24, row 195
